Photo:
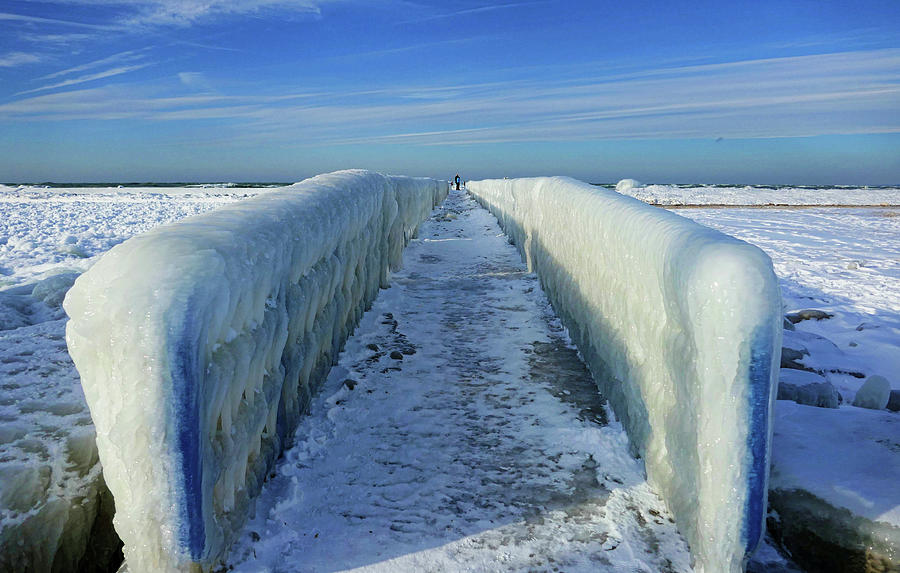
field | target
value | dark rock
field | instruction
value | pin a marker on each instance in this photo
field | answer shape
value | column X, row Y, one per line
column 788, row 325
column 894, row 403
column 397, row 355
column 350, row 383
column 409, row 351
column 790, row 358
column 807, row 314
column 821, row 537
column 373, row 347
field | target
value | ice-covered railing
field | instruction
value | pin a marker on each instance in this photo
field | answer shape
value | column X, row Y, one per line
column 681, row 326
column 199, row 343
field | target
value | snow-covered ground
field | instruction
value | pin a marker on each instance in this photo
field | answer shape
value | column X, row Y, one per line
column 460, row 432
column 675, row 195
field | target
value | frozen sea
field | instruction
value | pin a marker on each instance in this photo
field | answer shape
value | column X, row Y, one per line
column 834, row 249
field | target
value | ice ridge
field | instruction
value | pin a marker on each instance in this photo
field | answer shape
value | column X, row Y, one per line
column 199, row 344
column 681, row 325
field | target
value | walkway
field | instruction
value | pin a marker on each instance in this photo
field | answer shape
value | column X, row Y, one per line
column 460, row 432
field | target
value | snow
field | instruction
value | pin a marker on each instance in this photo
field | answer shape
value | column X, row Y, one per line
column 682, row 326
column 43, row 229
column 484, row 445
column 53, row 501
column 199, row 344
column 673, row 195
column 847, row 456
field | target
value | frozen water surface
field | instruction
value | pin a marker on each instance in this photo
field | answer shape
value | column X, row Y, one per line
column 460, row 432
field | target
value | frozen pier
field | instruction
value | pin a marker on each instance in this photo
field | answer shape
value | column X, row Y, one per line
column 458, row 427
column 460, row 431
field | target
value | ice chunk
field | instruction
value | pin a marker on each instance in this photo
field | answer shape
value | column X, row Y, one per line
column 874, row 393
column 199, row 344
column 682, row 327
column 626, row 185
column 53, row 289
column 808, row 388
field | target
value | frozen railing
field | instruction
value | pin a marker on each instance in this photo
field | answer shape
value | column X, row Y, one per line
column 681, row 326
column 199, row 343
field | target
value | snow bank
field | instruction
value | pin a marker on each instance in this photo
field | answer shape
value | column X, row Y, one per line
column 752, row 195
column 681, row 325
column 199, row 344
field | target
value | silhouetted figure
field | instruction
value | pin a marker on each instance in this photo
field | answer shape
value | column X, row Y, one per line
column 457, row 181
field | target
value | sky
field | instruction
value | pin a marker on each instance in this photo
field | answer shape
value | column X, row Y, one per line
column 773, row 92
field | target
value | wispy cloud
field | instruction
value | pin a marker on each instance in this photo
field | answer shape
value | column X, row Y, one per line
column 54, row 40
column 38, row 20
column 470, row 11
column 88, row 78
column 121, row 57
column 842, row 93
column 179, row 13
column 14, row 59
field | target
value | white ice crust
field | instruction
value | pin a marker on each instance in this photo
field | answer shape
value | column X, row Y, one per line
column 681, row 326
column 759, row 196
column 199, row 344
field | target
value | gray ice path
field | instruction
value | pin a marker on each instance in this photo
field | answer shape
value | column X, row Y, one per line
column 460, row 432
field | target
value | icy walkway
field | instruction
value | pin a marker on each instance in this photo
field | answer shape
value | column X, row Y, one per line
column 460, row 432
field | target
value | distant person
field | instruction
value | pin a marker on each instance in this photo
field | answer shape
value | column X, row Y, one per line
column 457, row 181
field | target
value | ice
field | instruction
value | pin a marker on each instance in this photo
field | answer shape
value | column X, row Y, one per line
column 676, row 195
column 626, row 185
column 682, row 326
column 873, row 394
column 199, row 344
column 53, row 502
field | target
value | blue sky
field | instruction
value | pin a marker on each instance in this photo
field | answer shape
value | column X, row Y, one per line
column 225, row 90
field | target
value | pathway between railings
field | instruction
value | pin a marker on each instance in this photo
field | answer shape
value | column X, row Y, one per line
column 460, row 432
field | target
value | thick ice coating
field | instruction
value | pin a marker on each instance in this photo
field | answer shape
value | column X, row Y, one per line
column 681, row 326
column 199, row 343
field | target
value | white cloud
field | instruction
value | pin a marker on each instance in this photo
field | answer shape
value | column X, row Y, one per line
column 179, row 12
column 37, row 20
column 469, row 11
column 14, row 59
column 121, row 57
column 88, row 78
column 843, row 93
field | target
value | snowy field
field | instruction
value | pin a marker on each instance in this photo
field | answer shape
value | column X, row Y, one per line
column 759, row 196
column 843, row 261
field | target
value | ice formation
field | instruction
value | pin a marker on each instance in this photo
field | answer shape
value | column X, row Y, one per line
column 681, row 325
column 199, row 344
